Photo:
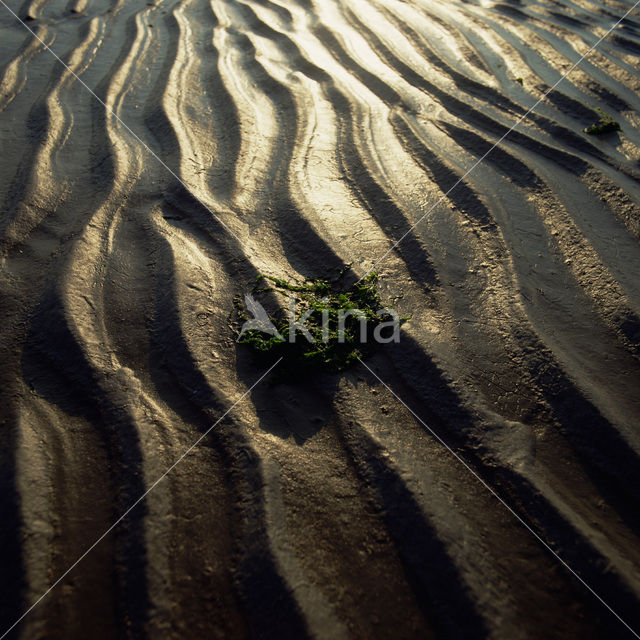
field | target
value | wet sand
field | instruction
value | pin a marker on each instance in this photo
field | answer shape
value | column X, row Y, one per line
column 292, row 138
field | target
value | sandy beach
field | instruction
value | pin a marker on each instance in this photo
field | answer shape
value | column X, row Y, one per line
column 479, row 478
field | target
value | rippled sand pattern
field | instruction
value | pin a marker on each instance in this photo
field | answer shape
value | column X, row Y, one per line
column 293, row 137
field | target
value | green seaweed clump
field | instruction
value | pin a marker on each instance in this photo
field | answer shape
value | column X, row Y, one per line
column 606, row 124
column 319, row 325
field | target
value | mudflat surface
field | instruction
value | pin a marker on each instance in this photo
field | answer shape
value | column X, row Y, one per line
column 291, row 138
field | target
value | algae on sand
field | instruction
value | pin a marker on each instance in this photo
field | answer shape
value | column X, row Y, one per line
column 606, row 124
column 340, row 320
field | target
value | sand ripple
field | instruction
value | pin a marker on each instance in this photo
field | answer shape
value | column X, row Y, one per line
column 294, row 137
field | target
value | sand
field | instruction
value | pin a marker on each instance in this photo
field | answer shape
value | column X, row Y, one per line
column 229, row 138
